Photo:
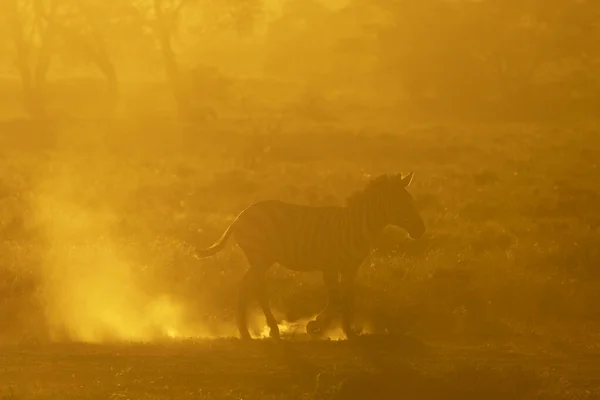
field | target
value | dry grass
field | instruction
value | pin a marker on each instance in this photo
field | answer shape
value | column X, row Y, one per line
column 375, row 367
column 98, row 219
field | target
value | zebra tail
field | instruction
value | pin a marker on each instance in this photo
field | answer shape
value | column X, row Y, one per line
column 217, row 246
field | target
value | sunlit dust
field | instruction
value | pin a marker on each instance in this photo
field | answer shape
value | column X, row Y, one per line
column 176, row 173
column 172, row 333
column 89, row 289
column 297, row 329
column 285, row 329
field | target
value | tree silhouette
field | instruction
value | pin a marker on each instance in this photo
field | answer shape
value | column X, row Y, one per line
column 37, row 26
column 34, row 32
column 164, row 16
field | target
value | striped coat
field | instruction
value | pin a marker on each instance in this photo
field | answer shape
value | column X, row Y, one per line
column 333, row 240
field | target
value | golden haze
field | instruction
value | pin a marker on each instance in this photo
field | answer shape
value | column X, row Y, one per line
column 134, row 131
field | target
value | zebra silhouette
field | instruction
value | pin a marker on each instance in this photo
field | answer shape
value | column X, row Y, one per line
column 333, row 240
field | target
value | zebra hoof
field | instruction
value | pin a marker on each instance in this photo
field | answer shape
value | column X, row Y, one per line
column 352, row 334
column 245, row 336
column 274, row 334
column 313, row 328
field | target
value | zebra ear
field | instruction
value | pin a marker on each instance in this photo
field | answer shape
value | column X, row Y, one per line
column 406, row 180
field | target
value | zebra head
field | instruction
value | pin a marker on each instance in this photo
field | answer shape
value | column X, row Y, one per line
column 402, row 210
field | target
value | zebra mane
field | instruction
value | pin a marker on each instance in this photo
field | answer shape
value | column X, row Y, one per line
column 375, row 186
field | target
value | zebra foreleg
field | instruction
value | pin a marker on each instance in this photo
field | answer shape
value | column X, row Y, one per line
column 347, row 304
column 324, row 319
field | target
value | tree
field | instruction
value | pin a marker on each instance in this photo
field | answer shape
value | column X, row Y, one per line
column 469, row 53
column 37, row 26
column 82, row 28
column 164, row 19
column 33, row 38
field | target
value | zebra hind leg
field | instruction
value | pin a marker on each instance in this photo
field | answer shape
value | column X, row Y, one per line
column 242, row 308
column 256, row 284
column 263, row 299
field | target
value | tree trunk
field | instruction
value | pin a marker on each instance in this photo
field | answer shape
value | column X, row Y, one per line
column 107, row 68
column 173, row 74
column 103, row 60
column 33, row 83
column 41, row 70
column 31, row 103
column 23, row 52
column 163, row 30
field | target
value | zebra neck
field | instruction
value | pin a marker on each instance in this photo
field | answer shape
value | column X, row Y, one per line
column 365, row 218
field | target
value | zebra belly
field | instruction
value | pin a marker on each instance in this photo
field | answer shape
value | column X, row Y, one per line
column 295, row 265
column 307, row 260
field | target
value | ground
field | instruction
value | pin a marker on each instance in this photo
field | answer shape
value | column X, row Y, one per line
column 102, row 297
column 373, row 367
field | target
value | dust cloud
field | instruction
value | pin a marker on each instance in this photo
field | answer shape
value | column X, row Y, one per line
column 91, row 279
column 132, row 131
column 90, row 290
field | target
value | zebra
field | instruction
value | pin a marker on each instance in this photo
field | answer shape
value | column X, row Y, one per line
column 334, row 240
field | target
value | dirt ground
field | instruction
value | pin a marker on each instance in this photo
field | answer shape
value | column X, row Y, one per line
column 372, row 367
